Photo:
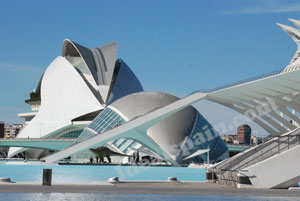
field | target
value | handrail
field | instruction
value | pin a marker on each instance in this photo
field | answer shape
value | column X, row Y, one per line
column 276, row 147
column 229, row 175
column 250, row 152
column 251, row 79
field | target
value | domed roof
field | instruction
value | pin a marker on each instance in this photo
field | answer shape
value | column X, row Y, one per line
column 169, row 133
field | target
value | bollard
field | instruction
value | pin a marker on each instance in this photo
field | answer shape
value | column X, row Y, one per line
column 113, row 180
column 172, row 179
column 5, row 180
column 47, row 177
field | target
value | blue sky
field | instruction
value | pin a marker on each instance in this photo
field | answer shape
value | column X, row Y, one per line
column 172, row 46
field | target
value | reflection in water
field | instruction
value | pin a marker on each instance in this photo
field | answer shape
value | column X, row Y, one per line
column 132, row 197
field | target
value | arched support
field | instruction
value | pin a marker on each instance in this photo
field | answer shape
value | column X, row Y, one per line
column 266, row 118
column 289, row 114
column 242, row 111
column 272, row 112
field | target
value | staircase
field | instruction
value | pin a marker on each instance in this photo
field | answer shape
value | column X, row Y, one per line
column 226, row 172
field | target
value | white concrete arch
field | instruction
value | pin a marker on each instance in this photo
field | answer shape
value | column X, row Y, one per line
column 263, row 102
column 256, row 120
column 274, row 115
column 265, row 118
column 231, row 105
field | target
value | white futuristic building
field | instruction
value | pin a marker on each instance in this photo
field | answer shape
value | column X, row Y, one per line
column 74, row 89
column 90, row 90
column 170, row 139
column 271, row 100
column 125, row 118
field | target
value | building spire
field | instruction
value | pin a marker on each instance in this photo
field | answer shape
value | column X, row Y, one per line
column 295, row 22
column 295, row 35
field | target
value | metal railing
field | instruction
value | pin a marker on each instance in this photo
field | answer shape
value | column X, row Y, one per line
column 258, row 77
column 283, row 143
column 228, row 175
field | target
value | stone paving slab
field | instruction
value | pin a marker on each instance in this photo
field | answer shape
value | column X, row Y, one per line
column 147, row 188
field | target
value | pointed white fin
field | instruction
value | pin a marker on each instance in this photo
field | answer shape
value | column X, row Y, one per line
column 295, row 35
column 295, row 22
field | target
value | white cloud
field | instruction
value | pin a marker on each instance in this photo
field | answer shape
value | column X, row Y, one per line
column 271, row 6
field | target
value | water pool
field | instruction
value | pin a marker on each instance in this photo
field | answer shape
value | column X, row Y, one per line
column 24, row 172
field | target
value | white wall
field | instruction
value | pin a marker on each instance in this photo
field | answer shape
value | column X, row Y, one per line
column 279, row 171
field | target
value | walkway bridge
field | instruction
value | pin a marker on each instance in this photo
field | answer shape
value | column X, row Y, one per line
column 237, row 148
column 54, row 144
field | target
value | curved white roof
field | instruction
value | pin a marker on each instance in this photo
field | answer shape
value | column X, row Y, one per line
column 97, row 65
column 79, row 83
column 271, row 100
column 168, row 132
column 64, row 97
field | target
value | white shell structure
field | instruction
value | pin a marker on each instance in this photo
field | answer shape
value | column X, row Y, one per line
column 176, row 137
column 271, row 100
column 77, row 84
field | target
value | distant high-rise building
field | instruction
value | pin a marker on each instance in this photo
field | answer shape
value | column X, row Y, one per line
column 244, row 134
column 2, row 124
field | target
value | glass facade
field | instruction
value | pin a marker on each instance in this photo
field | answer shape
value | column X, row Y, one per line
column 72, row 134
column 106, row 120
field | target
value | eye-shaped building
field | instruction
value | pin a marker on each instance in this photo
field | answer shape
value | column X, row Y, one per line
column 87, row 91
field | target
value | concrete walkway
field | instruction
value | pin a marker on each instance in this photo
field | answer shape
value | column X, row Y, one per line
column 148, row 188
